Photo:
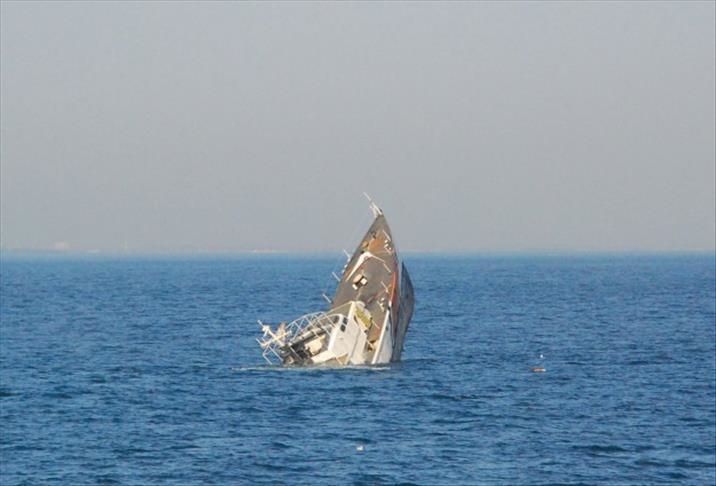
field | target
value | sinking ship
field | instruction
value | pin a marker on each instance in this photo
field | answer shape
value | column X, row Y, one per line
column 367, row 318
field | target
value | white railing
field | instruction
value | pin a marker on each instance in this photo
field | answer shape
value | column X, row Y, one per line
column 272, row 341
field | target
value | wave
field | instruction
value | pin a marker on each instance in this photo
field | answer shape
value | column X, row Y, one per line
column 308, row 369
column 601, row 449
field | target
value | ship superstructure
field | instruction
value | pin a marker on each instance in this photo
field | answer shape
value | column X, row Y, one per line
column 368, row 316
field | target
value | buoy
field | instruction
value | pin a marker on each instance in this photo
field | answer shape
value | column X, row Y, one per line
column 359, row 448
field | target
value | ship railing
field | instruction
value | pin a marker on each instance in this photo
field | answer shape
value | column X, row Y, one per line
column 312, row 324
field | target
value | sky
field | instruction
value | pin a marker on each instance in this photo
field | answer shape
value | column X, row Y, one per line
column 476, row 126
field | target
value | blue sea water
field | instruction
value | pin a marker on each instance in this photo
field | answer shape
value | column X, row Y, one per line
column 146, row 371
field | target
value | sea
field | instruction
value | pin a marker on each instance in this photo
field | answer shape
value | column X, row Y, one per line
column 144, row 370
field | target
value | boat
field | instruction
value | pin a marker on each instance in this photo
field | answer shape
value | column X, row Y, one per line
column 367, row 318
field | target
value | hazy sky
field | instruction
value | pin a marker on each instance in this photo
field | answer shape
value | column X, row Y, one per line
column 476, row 126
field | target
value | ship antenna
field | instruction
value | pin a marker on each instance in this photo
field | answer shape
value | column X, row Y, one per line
column 373, row 206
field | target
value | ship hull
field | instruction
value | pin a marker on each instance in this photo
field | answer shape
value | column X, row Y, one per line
column 367, row 319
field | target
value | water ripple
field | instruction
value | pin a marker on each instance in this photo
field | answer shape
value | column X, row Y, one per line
column 147, row 372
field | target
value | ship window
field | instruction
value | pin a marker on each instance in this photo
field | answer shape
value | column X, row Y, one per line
column 359, row 281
